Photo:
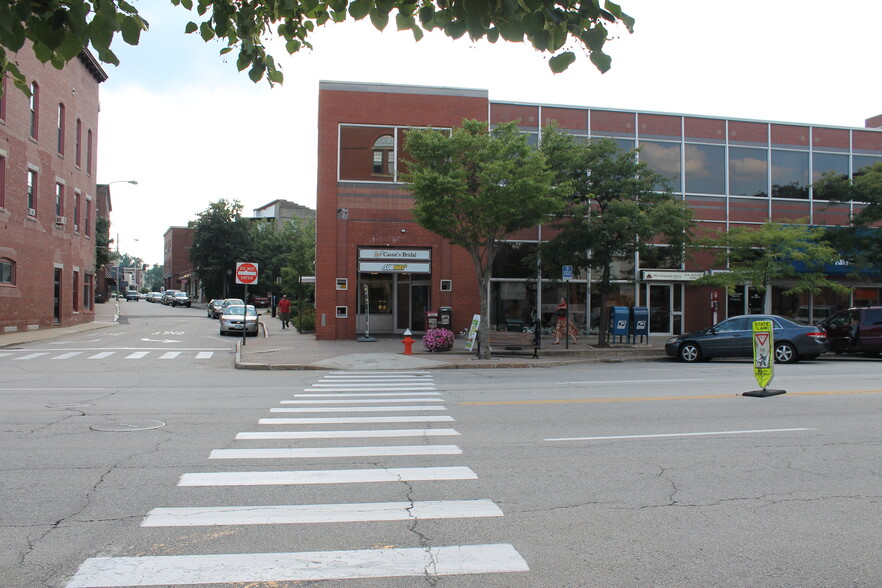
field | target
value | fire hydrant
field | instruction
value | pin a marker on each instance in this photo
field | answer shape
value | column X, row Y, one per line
column 408, row 342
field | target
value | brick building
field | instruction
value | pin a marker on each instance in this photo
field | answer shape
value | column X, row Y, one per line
column 375, row 264
column 177, row 269
column 48, row 147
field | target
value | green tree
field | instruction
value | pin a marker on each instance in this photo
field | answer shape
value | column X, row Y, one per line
column 859, row 243
column 759, row 255
column 614, row 210
column 59, row 29
column 154, row 278
column 476, row 188
column 221, row 238
column 102, row 243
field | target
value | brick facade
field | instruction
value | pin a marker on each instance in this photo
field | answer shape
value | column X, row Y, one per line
column 50, row 250
column 177, row 269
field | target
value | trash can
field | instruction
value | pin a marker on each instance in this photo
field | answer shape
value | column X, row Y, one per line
column 640, row 324
column 431, row 319
column 445, row 317
column 619, row 323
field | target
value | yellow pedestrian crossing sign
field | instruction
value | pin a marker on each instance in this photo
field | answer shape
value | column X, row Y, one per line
column 763, row 352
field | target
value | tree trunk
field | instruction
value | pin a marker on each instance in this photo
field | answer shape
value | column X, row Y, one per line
column 482, row 274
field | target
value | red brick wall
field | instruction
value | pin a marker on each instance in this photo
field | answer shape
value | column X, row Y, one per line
column 178, row 241
column 36, row 245
column 378, row 213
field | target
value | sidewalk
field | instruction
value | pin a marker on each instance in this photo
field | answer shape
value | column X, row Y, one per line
column 278, row 349
column 289, row 350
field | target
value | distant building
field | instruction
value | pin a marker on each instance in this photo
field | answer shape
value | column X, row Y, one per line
column 281, row 211
column 48, row 147
column 177, row 270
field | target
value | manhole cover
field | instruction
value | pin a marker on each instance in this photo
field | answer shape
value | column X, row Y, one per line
column 69, row 405
column 128, row 426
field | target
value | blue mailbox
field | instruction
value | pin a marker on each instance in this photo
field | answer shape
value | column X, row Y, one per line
column 619, row 322
column 639, row 323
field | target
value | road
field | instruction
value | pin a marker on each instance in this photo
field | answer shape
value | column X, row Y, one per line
column 635, row 474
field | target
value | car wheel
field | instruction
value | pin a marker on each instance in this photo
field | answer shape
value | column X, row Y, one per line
column 786, row 353
column 689, row 352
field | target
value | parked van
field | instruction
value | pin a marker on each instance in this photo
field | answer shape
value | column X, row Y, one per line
column 856, row 330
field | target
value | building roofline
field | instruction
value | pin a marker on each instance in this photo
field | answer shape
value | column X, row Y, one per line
column 93, row 66
column 335, row 86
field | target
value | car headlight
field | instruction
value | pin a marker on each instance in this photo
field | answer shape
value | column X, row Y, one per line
column 672, row 340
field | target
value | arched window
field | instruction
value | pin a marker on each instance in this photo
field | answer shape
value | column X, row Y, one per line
column 384, row 156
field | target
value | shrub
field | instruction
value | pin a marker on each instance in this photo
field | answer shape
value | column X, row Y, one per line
column 438, row 340
column 308, row 324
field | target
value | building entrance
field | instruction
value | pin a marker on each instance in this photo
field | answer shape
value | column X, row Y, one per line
column 665, row 302
column 391, row 303
column 412, row 302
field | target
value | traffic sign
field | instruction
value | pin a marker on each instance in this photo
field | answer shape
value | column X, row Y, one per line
column 763, row 356
column 567, row 272
column 246, row 273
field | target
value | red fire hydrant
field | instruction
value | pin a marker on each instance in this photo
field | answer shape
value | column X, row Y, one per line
column 408, row 342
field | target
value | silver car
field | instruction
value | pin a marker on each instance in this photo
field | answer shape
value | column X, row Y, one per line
column 237, row 317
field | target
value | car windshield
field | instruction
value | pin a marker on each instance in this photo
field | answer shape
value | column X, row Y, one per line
column 239, row 310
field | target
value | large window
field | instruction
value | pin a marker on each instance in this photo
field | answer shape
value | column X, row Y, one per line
column 663, row 158
column 89, row 152
column 87, row 292
column 372, row 153
column 2, row 180
column 76, row 212
column 7, row 271
column 790, row 174
column 705, row 169
column 59, row 199
column 748, row 169
column 76, row 292
column 827, row 163
column 88, row 220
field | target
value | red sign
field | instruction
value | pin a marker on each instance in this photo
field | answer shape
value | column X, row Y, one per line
column 246, row 273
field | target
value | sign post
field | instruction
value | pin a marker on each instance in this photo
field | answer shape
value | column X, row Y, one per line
column 246, row 273
column 567, row 275
column 473, row 332
column 763, row 359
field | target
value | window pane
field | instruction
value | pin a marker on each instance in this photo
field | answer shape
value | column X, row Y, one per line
column 705, row 169
column 790, row 175
column 823, row 163
column 515, row 260
column 748, row 170
column 360, row 157
column 663, row 158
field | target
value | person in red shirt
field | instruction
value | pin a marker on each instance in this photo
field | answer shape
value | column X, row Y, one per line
column 285, row 311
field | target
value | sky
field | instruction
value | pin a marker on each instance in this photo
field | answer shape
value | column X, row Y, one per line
column 190, row 129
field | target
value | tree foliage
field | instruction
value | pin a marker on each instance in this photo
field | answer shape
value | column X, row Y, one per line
column 285, row 256
column 102, row 243
column 475, row 188
column 613, row 210
column 221, row 238
column 757, row 256
column 59, row 29
column 859, row 244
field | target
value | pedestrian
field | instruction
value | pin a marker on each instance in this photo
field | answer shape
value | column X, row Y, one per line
column 562, row 326
column 285, row 311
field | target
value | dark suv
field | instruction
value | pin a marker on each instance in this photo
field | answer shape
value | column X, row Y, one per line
column 856, row 330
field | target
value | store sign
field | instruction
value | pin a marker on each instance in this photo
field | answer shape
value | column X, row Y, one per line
column 396, row 254
column 670, row 276
column 395, row 266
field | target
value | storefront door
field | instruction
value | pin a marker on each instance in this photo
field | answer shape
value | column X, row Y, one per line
column 412, row 302
column 660, row 308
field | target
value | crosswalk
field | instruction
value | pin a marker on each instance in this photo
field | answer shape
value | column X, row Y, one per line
column 90, row 354
column 337, row 392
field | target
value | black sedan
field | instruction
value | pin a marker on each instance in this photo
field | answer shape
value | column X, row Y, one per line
column 734, row 338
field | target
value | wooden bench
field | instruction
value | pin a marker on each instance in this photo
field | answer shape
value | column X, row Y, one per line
column 513, row 341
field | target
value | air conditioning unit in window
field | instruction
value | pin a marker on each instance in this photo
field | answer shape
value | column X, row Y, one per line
column 32, row 212
column 60, row 220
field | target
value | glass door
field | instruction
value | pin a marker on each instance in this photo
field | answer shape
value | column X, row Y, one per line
column 412, row 302
column 660, row 307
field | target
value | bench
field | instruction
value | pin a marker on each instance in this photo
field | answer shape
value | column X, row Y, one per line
column 513, row 341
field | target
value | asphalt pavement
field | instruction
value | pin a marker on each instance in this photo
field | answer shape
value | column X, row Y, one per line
column 286, row 349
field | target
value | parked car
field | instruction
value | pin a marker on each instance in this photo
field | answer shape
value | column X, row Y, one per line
column 856, row 330
column 168, row 297
column 214, row 307
column 181, row 299
column 154, row 296
column 228, row 302
column 132, row 295
column 237, row 317
column 819, row 314
column 260, row 301
column 733, row 337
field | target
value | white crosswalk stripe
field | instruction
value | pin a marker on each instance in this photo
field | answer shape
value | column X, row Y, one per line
column 83, row 354
column 177, row 570
column 338, row 392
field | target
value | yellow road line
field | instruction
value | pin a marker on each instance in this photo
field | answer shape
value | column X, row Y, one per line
column 652, row 398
